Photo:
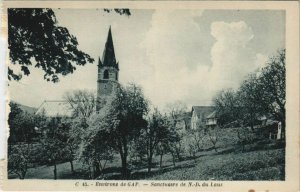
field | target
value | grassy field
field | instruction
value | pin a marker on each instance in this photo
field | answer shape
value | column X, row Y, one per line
column 254, row 165
column 226, row 164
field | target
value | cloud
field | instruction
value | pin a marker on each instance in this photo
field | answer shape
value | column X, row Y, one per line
column 171, row 46
column 231, row 56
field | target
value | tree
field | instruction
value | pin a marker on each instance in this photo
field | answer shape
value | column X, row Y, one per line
column 35, row 34
column 249, row 98
column 228, row 108
column 54, row 141
column 82, row 102
column 173, row 142
column 155, row 132
column 137, row 148
column 175, row 110
column 262, row 93
column 213, row 136
column 193, row 139
column 19, row 157
column 122, row 118
column 162, row 149
column 83, row 106
column 273, row 85
column 245, row 136
column 175, row 113
column 21, row 124
column 96, row 145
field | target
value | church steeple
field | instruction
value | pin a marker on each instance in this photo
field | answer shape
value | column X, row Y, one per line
column 109, row 57
column 108, row 70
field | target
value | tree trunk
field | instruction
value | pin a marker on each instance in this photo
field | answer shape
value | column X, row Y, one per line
column 91, row 172
column 96, row 169
column 124, row 173
column 252, row 127
column 72, row 166
column 215, row 149
column 160, row 162
column 178, row 154
column 150, row 162
column 55, row 171
column 23, row 175
column 173, row 157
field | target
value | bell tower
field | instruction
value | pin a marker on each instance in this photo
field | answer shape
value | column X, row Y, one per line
column 108, row 70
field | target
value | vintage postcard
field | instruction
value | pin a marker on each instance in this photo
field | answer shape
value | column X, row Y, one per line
column 150, row 96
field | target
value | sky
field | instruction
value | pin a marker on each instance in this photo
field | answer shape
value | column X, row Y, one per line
column 174, row 55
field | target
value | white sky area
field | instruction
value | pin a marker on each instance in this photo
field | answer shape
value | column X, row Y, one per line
column 185, row 55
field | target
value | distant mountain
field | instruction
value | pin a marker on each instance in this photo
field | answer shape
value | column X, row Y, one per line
column 25, row 108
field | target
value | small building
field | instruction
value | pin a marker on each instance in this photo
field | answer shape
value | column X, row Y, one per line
column 272, row 129
column 199, row 114
column 211, row 120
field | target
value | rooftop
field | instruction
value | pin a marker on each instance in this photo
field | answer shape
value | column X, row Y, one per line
column 55, row 108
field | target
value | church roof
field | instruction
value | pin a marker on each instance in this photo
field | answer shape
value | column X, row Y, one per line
column 55, row 109
column 109, row 57
column 203, row 110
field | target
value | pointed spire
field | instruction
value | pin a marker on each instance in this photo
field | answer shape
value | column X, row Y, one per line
column 99, row 61
column 109, row 58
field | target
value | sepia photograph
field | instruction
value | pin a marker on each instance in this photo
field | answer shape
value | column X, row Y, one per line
column 147, row 94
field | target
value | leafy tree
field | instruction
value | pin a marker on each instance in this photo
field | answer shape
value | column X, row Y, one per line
column 83, row 106
column 137, row 149
column 54, row 141
column 120, row 11
column 96, row 146
column 82, row 103
column 162, row 149
column 156, row 131
column 122, row 118
column 249, row 96
column 175, row 112
column 173, row 142
column 21, row 124
column 227, row 107
column 19, row 159
column 273, row 87
column 245, row 136
column 263, row 92
column 34, row 34
column 213, row 136
column 193, row 139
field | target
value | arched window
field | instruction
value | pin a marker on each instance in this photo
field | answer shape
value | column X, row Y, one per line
column 106, row 74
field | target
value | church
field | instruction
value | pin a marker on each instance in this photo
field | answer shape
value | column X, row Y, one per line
column 107, row 82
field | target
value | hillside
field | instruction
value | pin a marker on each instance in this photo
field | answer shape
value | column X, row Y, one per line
column 26, row 108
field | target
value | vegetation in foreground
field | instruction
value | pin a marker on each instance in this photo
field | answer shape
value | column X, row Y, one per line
column 268, row 164
column 126, row 127
column 254, row 165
